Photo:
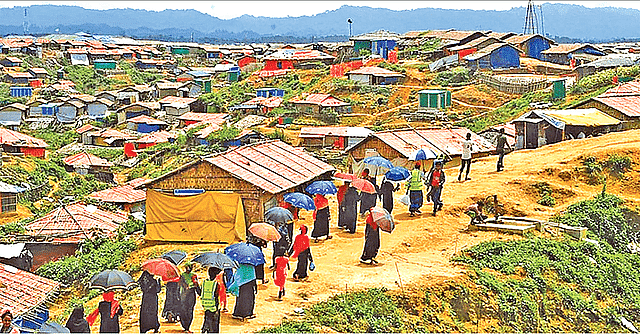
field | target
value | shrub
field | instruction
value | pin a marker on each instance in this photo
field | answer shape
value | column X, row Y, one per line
column 290, row 326
column 454, row 77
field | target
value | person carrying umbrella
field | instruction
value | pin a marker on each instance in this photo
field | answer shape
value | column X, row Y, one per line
column 294, row 212
column 149, row 307
column 281, row 246
column 321, row 218
column 436, row 179
column 7, row 327
column 414, row 188
column 172, row 303
column 189, row 288
column 244, row 287
column 210, row 299
column 386, row 194
column 368, row 200
column 371, row 240
column 109, row 310
column 77, row 323
column 301, row 250
column 256, row 241
column 348, row 209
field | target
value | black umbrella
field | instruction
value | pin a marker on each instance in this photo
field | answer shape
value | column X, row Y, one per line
column 111, row 280
column 278, row 215
column 215, row 259
column 175, row 256
column 52, row 327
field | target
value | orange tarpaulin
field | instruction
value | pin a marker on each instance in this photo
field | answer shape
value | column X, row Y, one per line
column 207, row 217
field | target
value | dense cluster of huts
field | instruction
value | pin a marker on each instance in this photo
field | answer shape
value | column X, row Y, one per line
column 253, row 173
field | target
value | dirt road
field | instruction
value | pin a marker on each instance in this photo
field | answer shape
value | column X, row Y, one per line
column 420, row 247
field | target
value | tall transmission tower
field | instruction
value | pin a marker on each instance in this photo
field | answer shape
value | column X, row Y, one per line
column 531, row 20
column 25, row 23
column 541, row 29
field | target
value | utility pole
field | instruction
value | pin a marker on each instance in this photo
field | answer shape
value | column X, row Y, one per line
column 350, row 22
column 25, row 23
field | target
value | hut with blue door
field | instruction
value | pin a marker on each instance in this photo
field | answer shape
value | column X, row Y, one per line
column 50, row 109
column 494, row 56
column 434, row 99
column 379, row 42
column 532, row 45
column 269, row 92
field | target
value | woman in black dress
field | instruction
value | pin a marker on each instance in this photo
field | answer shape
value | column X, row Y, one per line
column 110, row 311
column 77, row 323
column 149, row 308
column 301, row 250
column 386, row 194
column 371, row 241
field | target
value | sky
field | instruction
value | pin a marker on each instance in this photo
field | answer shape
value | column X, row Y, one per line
column 232, row 9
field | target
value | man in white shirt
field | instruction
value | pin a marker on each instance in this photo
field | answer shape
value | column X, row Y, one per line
column 467, row 147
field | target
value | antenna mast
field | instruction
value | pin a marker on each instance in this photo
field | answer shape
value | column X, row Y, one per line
column 25, row 23
column 531, row 20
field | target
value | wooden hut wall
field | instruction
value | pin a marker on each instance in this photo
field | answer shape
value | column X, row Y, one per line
column 381, row 147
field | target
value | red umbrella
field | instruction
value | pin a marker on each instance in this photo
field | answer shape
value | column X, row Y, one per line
column 344, row 176
column 383, row 219
column 364, row 186
column 265, row 231
column 162, row 267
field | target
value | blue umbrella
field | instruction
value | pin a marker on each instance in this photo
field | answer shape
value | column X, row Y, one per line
column 378, row 161
column 278, row 215
column 246, row 253
column 52, row 327
column 300, row 200
column 215, row 259
column 421, row 154
column 111, row 280
column 397, row 174
column 175, row 256
column 322, row 188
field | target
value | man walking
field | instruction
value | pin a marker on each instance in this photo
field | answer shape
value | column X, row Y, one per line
column 467, row 148
column 415, row 190
column 500, row 149
column 436, row 179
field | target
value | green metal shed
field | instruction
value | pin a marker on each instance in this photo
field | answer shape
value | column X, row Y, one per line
column 180, row 50
column 104, row 64
column 436, row 99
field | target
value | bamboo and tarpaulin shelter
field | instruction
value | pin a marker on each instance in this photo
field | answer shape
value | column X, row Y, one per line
column 257, row 174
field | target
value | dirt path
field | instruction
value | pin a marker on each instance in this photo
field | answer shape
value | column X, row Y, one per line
column 420, row 247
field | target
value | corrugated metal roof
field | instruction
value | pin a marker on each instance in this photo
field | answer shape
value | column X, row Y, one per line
column 269, row 102
column 567, row 48
column 272, row 166
column 291, row 54
column 144, row 119
column 23, row 291
column 14, row 138
column 627, row 105
column 111, row 133
column 343, row 131
column 86, row 218
column 583, row 117
column 85, row 128
column 438, row 140
column 214, row 118
column 156, row 137
column 174, row 99
column 324, row 100
column 122, row 194
column 629, row 88
column 86, row 159
column 457, row 35
column 20, row 74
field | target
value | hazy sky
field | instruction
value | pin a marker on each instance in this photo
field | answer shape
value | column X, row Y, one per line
column 231, row 9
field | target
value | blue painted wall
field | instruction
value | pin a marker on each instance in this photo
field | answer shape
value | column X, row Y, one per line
column 146, row 128
column 505, row 57
column 536, row 45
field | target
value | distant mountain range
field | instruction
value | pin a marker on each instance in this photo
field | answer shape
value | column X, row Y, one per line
column 572, row 21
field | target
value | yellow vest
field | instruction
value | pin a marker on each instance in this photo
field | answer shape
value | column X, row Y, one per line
column 415, row 183
column 209, row 301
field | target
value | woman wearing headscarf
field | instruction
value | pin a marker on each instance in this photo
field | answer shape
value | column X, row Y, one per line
column 386, row 194
column 371, row 241
column 321, row 218
column 367, row 200
column 189, row 288
column 245, row 289
column 222, row 290
column 349, row 209
column 7, row 326
column 301, row 250
column 149, row 307
column 110, row 311
column 280, row 274
column 77, row 323
column 172, row 304
column 210, row 299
